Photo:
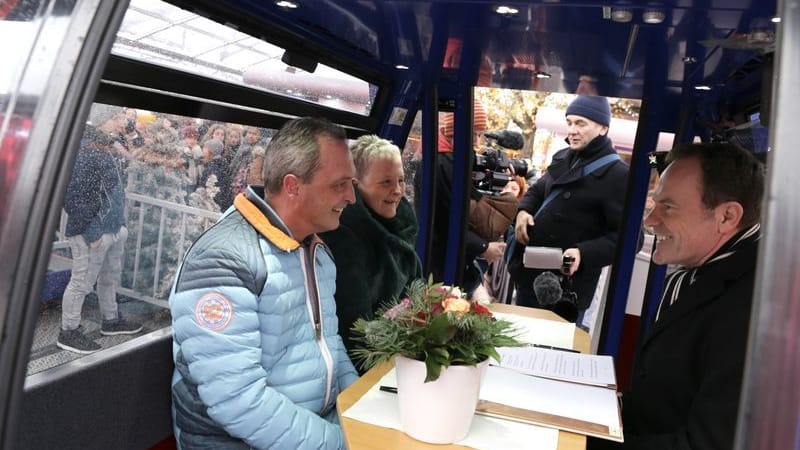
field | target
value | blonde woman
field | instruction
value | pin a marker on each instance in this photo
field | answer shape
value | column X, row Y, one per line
column 374, row 244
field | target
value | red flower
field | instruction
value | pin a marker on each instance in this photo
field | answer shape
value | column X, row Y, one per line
column 481, row 310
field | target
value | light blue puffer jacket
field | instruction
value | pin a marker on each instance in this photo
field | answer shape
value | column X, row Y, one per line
column 258, row 361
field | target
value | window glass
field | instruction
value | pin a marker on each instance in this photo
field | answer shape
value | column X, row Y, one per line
column 165, row 179
column 412, row 156
column 160, row 33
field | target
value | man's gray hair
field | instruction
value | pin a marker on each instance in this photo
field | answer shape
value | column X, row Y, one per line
column 295, row 150
column 370, row 148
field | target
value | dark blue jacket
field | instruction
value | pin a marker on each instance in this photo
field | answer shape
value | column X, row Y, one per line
column 95, row 198
column 217, row 167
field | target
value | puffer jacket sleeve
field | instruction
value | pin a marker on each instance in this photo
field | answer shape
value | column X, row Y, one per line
column 216, row 325
column 491, row 215
column 347, row 372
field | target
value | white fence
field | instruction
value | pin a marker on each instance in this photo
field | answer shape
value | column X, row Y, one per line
column 139, row 206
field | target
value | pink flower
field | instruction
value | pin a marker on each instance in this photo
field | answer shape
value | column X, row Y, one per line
column 397, row 309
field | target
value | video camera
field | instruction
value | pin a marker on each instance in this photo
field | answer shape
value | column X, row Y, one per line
column 490, row 170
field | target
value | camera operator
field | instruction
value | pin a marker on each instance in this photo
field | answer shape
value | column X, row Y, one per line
column 501, row 184
column 584, row 216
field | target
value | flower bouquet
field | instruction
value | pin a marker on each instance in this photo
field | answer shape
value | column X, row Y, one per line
column 442, row 342
column 436, row 324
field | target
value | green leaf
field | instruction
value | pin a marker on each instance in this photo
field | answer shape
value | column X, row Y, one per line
column 433, row 369
column 439, row 331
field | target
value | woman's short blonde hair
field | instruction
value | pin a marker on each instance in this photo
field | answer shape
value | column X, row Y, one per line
column 369, row 148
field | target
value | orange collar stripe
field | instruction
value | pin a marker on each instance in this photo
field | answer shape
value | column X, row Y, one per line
column 256, row 218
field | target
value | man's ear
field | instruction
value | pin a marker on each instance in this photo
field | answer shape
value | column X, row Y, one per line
column 729, row 216
column 291, row 185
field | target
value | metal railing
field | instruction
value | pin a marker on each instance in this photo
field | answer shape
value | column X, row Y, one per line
column 140, row 204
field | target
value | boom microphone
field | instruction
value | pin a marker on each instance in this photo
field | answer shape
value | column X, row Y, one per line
column 550, row 295
column 507, row 138
column 547, row 288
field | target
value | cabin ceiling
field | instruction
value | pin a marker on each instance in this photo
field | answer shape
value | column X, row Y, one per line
column 566, row 40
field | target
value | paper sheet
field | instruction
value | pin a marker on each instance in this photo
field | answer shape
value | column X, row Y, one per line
column 541, row 331
column 486, row 433
column 596, row 370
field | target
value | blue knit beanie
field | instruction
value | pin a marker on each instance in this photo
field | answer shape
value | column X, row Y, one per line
column 591, row 107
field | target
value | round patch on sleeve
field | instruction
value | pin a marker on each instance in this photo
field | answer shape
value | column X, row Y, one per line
column 213, row 311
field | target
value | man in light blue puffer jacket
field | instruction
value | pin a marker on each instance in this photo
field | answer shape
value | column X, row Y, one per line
column 258, row 361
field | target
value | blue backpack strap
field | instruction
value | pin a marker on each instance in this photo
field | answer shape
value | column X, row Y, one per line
column 511, row 244
column 587, row 169
column 600, row 163
column 552, row 195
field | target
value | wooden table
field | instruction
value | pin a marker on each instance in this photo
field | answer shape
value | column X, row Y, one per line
column 363, row 436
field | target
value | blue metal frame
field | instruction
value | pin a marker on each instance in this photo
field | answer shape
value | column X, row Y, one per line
column 638, row 183
column 426, row 200
column 462, row 164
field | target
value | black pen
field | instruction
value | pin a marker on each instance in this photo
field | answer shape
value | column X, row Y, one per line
column 561, row 349
column 389, row 389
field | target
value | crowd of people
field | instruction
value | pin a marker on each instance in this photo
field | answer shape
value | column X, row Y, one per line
column 170, row 157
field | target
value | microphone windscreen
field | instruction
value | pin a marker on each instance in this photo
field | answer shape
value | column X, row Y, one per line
column 547, row 288
column 508, row 139
column 511, row 139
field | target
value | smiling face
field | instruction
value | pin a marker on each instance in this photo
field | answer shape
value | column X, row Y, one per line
column 322, row 199
column 382, row 186
column 687, row 232
column 581, row 131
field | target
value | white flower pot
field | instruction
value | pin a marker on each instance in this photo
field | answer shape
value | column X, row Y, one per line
column 439, row 412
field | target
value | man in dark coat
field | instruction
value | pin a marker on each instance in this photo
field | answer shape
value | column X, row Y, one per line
column 584, row 218
column 687, row 374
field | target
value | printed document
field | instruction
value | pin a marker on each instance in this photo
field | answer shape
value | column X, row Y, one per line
column 595, row 370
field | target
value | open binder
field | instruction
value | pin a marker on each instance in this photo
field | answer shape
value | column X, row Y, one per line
column 501, row 411
column 562, row 393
